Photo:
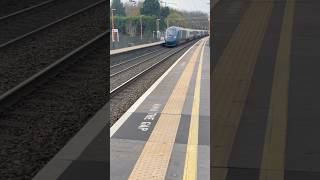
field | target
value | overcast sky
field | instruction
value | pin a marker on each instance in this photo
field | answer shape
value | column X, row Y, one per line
column 189, row 5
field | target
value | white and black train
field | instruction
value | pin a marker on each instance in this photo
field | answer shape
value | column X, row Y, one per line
column 177, row 35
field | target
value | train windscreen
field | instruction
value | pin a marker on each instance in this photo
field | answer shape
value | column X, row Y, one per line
column 171, row 32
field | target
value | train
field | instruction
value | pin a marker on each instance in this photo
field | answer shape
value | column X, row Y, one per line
column 177, row 35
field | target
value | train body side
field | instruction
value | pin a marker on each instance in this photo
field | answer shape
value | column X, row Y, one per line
column 177, row 35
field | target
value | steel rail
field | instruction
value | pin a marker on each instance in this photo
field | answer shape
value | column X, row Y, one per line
column 138, row 63
column 26, row 10
column 119, row 88
column 13, row 95
column 51, row 24
column 127, row 61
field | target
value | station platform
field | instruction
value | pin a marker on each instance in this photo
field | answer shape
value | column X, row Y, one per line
column 165, row 134
column 168, row 123
column 265, row 95
column 127, row 49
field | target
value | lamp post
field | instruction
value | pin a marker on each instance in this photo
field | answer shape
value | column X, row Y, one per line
column 141, row 27
column 158, row 31
column 167, row 23
column 112, row 19
column 208, row 25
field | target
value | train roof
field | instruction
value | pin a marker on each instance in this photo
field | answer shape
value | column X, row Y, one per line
column 187, row 29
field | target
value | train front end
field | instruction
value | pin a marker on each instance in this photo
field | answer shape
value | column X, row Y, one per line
column 171, row 37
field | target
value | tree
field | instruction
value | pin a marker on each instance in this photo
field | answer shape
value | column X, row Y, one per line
column 150, row 8
column 132, row 10
column 118, row 5
column 197, row 19
column 164, row 12
column 176, row 18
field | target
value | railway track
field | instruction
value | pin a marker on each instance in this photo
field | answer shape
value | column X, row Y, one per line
column 118, row 58
column 25, row 10
column 52, row 79
column 66, row 94
column 122, row 96
column 127, row 72
column 27, row 56
column 131, row 63
column 21, row 25
column 11, row 7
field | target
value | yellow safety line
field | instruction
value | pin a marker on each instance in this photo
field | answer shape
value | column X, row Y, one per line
column 273, row 160
column 154, row 159
column 191, row 161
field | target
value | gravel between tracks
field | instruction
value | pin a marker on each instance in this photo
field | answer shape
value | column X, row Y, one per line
column 120, row 103
column 27, row 57
column 63, row 105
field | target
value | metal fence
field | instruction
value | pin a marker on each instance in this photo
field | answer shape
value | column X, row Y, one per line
column 128, row 41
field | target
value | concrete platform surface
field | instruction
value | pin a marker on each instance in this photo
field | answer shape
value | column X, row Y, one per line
column 265, row 95
column 127, row 49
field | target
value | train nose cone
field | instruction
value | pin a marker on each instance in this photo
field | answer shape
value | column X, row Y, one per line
column 171, row 38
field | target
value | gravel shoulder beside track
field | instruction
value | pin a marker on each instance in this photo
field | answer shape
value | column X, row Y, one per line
column 28, row 56
column 120, row 103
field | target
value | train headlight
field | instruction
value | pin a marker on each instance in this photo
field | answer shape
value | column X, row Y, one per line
column 175, row 37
